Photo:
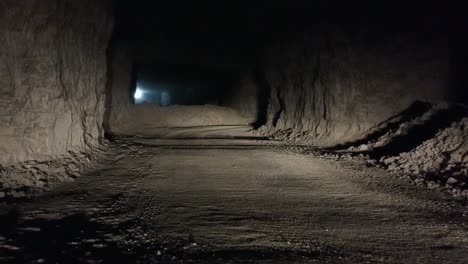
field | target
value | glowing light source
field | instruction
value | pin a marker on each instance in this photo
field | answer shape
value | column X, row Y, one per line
column 138, row 94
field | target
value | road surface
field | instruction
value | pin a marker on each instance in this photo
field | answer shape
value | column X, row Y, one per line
column 232, row 201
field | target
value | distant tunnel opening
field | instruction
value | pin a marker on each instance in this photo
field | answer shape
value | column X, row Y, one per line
column 164, row 85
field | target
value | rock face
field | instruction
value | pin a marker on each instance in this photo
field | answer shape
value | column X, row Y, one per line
column 333, row 86
column 52, row 77
column 364, row 94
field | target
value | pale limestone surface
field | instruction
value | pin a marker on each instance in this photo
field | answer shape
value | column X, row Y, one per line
column 334, row 87
column 52, row 77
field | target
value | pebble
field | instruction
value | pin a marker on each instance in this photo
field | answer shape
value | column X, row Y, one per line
column 10, row 247
column 18, row 194
column 99, row 246
column 451, row 181
column 40, row 184
column 29, row 229
column 390, row 160
column 363, row 147
column 89, row 241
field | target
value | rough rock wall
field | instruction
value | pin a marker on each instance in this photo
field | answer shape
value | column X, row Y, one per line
column 120, row 85
column 52, row 76
column 335, row 86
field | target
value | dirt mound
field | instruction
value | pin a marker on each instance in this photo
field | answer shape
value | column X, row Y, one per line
column 442, row 159
column 428, row 143
column 32, row 177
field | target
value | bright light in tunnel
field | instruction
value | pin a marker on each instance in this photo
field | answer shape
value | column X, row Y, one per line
column 138, row 94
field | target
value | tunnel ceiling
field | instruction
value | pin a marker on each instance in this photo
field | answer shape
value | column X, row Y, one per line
column 227, row 33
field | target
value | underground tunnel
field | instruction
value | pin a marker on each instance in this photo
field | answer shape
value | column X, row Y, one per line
column 233, row 131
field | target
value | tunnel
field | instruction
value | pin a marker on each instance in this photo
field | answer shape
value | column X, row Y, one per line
column 233, row 131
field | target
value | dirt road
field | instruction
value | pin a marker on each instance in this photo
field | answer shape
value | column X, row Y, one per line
column 232, row 201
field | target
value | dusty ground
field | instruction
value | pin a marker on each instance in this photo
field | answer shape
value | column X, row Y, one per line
column 152, row 120
column 232, row 201
column 203, row 132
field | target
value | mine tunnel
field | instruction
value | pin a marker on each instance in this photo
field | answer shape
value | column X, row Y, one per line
column 233, row 131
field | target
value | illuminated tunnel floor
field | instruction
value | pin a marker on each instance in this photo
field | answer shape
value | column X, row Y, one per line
column 210, row 201
column 202, row 132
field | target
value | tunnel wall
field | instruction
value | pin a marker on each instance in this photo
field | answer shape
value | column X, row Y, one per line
column 335, row 86
column 52, row 77
column 243, row 96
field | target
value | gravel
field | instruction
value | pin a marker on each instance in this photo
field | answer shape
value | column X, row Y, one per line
column 430, row 149
column 23, row 180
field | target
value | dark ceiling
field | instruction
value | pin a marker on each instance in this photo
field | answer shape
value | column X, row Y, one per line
column 211, row 33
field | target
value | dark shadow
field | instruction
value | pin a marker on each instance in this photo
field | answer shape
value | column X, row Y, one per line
column 108, row 90
column 8, row 220
column 263, row 98
column 70, row 239
column 282, row 106
column 458, row 71
column 78, row 238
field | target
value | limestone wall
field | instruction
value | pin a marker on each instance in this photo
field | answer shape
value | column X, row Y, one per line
column 335, row 86
column 52, row 76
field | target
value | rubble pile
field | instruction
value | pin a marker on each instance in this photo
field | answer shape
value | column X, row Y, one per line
column 32, row 177
column 431, row 149
column 441, row 160
column 427, row 144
